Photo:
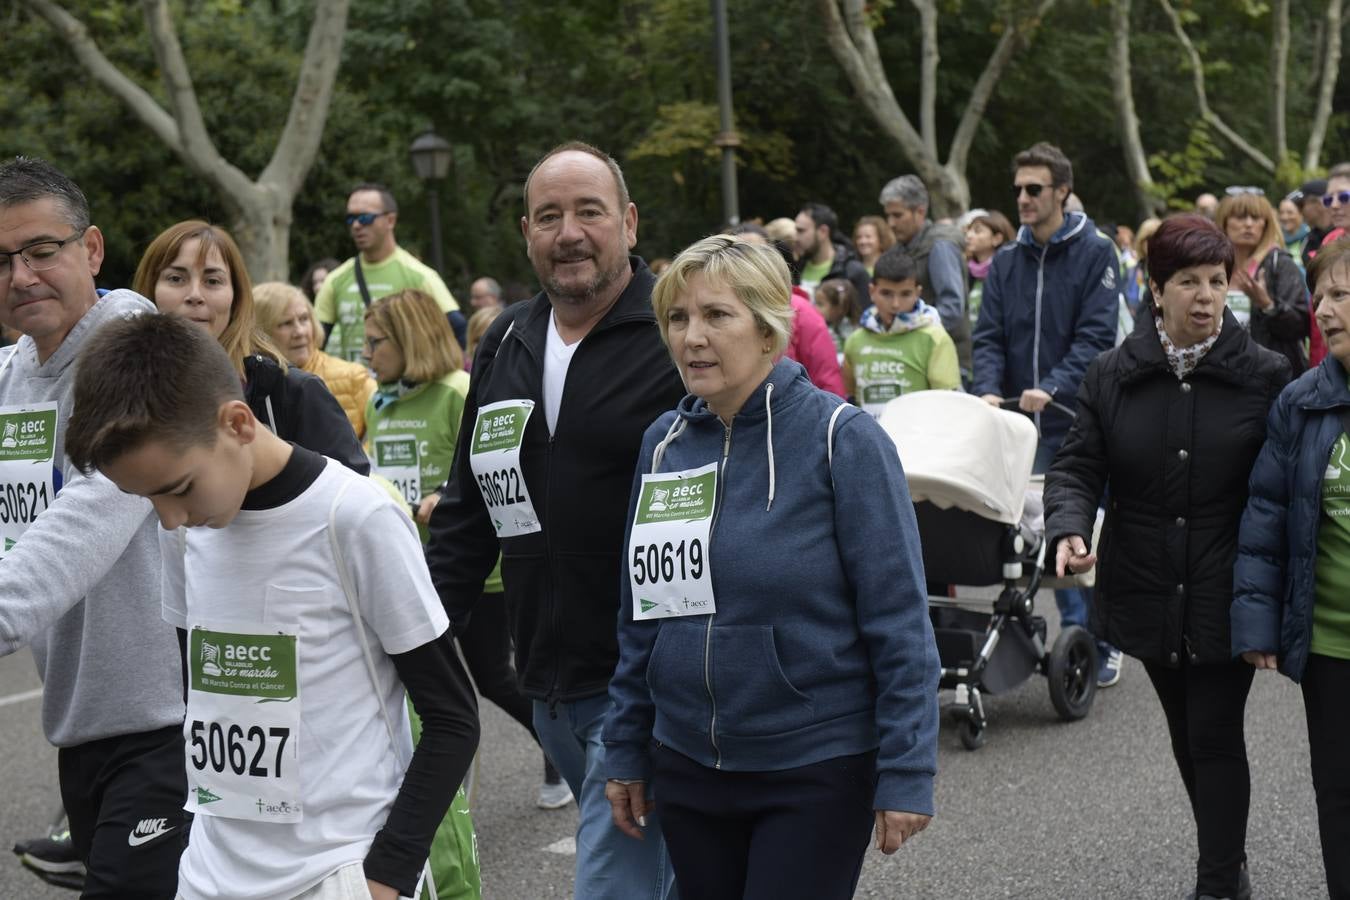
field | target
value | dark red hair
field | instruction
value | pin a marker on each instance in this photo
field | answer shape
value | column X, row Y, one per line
column 1184, row 241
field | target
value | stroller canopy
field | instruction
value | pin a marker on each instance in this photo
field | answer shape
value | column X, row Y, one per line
column 959, row 451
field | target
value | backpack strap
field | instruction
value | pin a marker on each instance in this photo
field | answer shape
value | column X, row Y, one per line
column 361, row 282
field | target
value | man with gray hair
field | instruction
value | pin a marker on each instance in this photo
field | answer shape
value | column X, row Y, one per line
column 937, row 249
column 485, row 293
column 80, row 581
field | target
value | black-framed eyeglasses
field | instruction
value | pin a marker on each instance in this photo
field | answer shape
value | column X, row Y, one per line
column 1237, row 190
column 1033, row 189
column 372, row 343
column 38, row 256
column 364, row 218
column 1341, row 197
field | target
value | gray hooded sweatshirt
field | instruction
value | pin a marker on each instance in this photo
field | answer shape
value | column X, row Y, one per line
column 82, row 586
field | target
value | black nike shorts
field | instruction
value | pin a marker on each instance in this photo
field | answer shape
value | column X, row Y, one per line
column 124, row 800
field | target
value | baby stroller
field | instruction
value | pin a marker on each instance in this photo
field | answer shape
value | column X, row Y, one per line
column 969, row 470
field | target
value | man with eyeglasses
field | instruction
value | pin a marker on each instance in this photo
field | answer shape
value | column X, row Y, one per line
column 1049, row 308
column 80, row 578
column 379, row 268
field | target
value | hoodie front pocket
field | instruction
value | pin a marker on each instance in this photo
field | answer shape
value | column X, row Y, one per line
column 753, row 694
column 675, row 673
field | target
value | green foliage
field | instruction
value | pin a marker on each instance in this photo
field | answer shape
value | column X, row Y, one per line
column 1181, row 174
column 504, row 81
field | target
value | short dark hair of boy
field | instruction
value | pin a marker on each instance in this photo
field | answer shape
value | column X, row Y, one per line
column 1050, row 156
column 143, row 378
column 895, row 265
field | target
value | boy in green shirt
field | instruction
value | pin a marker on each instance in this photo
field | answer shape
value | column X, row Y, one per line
column 900, row 345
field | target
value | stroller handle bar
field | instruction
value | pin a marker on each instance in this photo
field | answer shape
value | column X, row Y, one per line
column 1011, row 403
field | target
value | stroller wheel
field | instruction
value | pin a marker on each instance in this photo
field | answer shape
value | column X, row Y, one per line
column 970, row 732
column 1072, row 670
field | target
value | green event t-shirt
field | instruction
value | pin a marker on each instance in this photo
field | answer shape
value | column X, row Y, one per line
column 884, row 366
column 340, row 303
column 1331, row 573
column 814, row 273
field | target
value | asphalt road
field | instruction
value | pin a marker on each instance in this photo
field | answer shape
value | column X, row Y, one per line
column 1044, row 810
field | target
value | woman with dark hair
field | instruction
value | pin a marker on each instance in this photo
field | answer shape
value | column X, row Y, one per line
column 194, row 270
column 1266, row 291
column 313, row 278
column 1168, row 426
column 984, row 235
column 1292, row 609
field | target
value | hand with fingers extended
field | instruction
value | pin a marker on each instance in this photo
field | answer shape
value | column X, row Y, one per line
column 894, row 828
column 1072, row 556
column 992, row 399
column 1254, row 288
column 628, row 804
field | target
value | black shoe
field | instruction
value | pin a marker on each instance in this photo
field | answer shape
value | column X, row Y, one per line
column 53, row 859
column 1244, row 891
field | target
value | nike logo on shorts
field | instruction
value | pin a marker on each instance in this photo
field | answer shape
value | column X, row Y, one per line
column 147, row 830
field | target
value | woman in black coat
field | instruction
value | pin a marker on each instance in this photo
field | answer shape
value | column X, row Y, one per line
column 1169, row 424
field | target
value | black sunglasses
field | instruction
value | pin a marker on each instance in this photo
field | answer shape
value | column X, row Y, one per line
column 1341, row 197
column 1033, row 190
column 363, row 218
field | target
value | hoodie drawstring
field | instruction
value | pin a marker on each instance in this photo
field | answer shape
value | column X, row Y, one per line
column 676, row 429
column 768, row 406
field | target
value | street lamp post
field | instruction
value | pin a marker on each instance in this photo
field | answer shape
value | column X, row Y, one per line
column 727, row 138
column 431, row 161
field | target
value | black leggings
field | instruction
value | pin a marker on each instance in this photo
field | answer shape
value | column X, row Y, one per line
column 765, row 835
column 1326, row 684
column 1204, row 707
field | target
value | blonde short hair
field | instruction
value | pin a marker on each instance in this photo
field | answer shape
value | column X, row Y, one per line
column 755, row 273
column 270, row 300
column 414, row 322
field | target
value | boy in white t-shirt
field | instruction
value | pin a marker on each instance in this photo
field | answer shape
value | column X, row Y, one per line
column 301, row 772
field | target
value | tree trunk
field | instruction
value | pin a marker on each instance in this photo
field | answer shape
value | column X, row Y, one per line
column 850, row 39
column 260, row 209
column 1279, row 76
column 1331, row 67
column 1122, row 89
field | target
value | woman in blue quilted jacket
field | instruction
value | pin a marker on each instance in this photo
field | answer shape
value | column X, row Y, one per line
column 1291, row 611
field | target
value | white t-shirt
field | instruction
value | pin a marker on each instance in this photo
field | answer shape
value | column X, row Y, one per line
column 557, row 357
column 275, row 567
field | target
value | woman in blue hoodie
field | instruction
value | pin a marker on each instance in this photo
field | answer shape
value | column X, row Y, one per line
column 777, row 684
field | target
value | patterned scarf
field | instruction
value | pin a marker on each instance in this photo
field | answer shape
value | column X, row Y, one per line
column 922, row 314
column 1183, row 360
column 386, row 394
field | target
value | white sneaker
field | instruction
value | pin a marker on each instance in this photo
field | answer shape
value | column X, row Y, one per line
column 554, row 796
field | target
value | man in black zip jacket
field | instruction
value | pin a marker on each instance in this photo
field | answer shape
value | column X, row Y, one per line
column 563, row 387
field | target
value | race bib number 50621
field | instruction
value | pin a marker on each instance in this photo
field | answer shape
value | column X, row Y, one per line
column 27, row 452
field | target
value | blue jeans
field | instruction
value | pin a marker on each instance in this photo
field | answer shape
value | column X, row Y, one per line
column 610, row 865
